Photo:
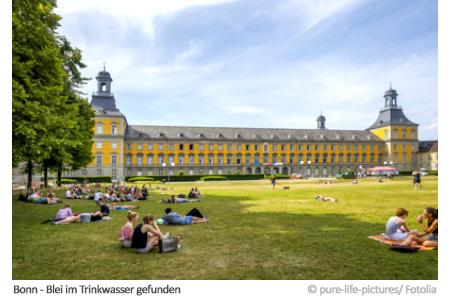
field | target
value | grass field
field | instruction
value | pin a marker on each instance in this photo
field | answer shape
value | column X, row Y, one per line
column 253, row 233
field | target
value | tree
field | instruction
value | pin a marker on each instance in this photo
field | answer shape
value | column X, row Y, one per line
column 38, row 80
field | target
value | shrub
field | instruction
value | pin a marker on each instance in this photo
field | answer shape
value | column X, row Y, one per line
column 140, row 178
column 68, row 181
column 180, row 173
column 95, row 179
column 213, row 178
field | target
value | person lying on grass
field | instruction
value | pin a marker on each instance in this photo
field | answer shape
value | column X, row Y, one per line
column 325, row 198
column 146, row 235
column 66, row 216
column 396, row 228
column 174, row 199
column 194, row 193
column 37, row 198
column 126, row 232
column 105, row 208
column 429, row 220
column 173, row 218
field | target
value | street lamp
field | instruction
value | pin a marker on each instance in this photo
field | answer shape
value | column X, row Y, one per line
column 172, row 164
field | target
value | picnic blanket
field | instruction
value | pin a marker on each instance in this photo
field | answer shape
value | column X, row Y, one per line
column 386, row 241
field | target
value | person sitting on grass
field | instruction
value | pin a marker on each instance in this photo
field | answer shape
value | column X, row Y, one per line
column 146, row 235
column 174, row 199
column 173, row 218
column 66, row 216
column 126, row 232
column 325, row 198
column 396, row 228
column 51, row 198
column 429, row 220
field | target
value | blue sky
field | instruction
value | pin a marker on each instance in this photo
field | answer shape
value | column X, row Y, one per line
column 260, row 63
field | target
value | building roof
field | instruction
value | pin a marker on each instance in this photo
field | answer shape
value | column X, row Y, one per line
column 106, row 102
column 391, row 116
column 428, row 146
column 146, row 132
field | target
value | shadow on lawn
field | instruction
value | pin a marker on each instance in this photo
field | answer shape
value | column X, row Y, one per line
column 237, row 243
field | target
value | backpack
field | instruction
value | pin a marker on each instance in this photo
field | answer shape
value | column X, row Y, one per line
column 168, row 244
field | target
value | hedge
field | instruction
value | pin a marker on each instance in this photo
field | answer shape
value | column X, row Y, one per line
column 68, row 181
column 140, row 178
column 277, row 176
column 213, row 178
column 95, row 179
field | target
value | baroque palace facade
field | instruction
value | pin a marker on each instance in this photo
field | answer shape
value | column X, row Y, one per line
column 121, row 149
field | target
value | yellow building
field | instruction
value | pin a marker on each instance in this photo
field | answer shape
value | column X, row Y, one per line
column 121, row 149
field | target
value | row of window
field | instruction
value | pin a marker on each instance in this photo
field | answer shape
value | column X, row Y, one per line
column 256, row 147
column 403, row 134
column 99, row 129
column 247, row 159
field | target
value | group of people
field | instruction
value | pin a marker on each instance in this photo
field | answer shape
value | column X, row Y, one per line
column 193, row 196
column 142, row 238
column 397, row 230
column 36, row 197
column 119, row 193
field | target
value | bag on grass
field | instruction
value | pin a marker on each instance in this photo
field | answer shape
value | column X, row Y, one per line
column 85, row 218
column 168, row 244
column 194, row 213
column 404, row 249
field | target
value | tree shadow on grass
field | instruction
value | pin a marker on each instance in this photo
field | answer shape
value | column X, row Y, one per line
column 237, row 243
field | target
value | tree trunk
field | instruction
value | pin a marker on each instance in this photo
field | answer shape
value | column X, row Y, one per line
column 29, row 175
column 59, row 175
column 45, row 175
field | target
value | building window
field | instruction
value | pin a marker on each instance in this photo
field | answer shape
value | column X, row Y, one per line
column 210, row 160
column 230, row 147
column 161, row 147
column 191, row 146
column 238, row 159
column 395, row 134
column 211, row 147
column 404, row 134
column 239, row 147
column 256, row 147
column 413, row 134
column 201, row 147
column 171, row 147
column 220, row 147
column 113, row 145
column 201, row 160
column 99, row 145
column 83, row 172
column 114, row 130
column 181, row 160
column 274, row 147
column 98, row 159
column 300, row 147
column 150, row 159
column 316, row 147
column 99, row 172
column 113, row 159
column 139, row 146
column 266, row 148
column 139, row 160
column 99, row 128
column 114, row 174
column 128, row 159
column 283, row 147
column 220, row 160
column 128, row 146
column 308, row 147
column 180, row 146
column 160, row 159
column 325, row 147
column 341, row 147
column 149, row 146
column 247, row 147
column 229, row 159
column 364, row 147
column 171, row 160
column 191, row 159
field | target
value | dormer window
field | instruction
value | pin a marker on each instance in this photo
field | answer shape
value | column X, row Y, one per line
column 161, row 134
column 181, row 135
column 220, row 135
column 238, row 136
column 353, row 137
column 201, row 135
column 322, row 136
column 305, row 136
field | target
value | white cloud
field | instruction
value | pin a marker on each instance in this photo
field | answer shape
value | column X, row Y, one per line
column 140, row 13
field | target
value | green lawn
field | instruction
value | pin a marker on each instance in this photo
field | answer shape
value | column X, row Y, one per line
column 253, row 233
